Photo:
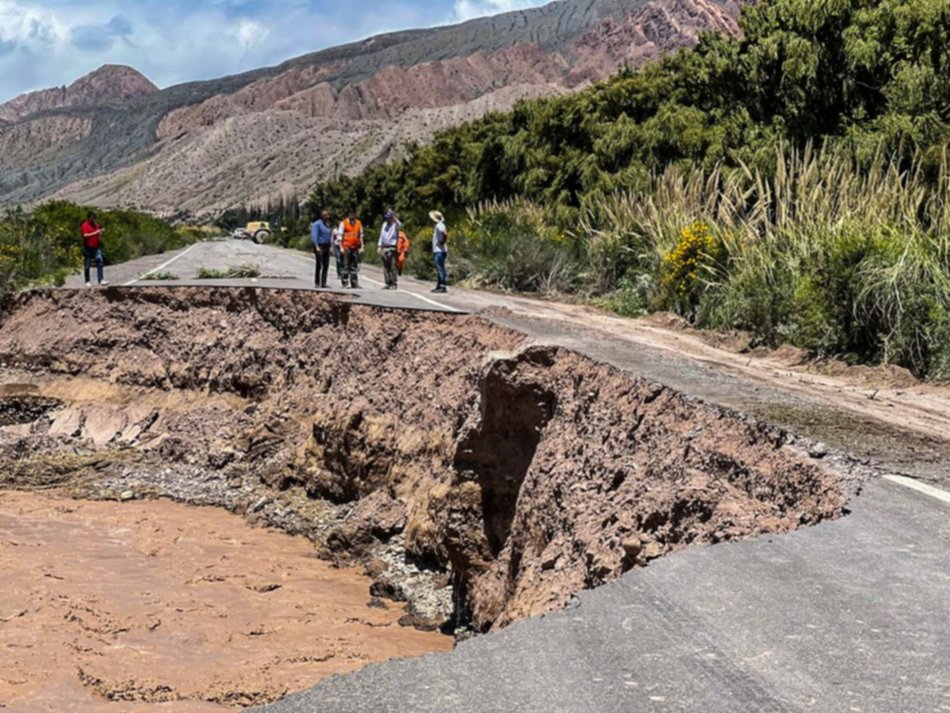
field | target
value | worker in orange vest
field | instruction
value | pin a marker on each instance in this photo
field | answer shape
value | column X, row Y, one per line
column 402, row 250
column 352, row 250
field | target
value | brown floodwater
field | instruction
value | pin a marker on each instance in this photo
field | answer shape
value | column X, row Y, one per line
column 156, row 606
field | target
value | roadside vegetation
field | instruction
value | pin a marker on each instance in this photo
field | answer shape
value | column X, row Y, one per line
column 45, row 245
column 242, row 272
column 792, row 183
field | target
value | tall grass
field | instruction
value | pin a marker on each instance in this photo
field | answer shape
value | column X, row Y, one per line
column 834, row 255
column 840, row 256
column 509, row 245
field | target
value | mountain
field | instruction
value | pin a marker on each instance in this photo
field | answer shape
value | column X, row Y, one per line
column 112, row 139
column 108, row 85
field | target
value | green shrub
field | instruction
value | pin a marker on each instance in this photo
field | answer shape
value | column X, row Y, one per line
column 632, row 298
column 43, row 246
column 511, row 246
column 242, row 272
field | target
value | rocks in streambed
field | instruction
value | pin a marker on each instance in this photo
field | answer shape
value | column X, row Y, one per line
column 374, row 519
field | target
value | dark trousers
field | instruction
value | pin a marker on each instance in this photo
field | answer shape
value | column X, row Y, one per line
column 322, row 268
column 351, row 267
column 390, row 270
column 90, row 256
column 338, row 256
column 440, row 268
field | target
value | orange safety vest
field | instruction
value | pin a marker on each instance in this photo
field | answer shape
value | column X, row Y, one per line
column 352, row 234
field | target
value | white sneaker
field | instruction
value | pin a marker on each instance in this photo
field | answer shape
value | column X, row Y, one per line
column 88, row 284
column 104, row 283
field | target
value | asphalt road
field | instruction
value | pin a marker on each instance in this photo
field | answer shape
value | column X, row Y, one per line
column 850, row 616
column 846, row 617
column 279, row 268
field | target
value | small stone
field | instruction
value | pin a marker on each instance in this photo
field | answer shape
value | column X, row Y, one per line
column 550, row 561
column 126, row 496
column 376, row 567
column 384, row 589
column 235, row 483
column 632, row 547
column 818, row 450
column 598, row 566
column 652, row 550
column 259, row 505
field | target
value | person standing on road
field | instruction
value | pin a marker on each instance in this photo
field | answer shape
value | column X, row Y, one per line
column 338, row 250
column 352, row 245
column 92, row 249
column 322, row 238
column 440, row 250
column 402, row 252
column 388, row 249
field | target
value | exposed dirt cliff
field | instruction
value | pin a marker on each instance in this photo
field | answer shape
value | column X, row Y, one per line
column 479, row 477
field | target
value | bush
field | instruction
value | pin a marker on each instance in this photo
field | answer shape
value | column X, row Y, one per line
column 510, row 246
column 683, row 269
column 43, row 246
column 828, row 255
column 632, row 298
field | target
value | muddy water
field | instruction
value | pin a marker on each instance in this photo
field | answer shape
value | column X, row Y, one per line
column 154, row 606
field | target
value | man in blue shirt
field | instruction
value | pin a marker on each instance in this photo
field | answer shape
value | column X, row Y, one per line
column 321, row 235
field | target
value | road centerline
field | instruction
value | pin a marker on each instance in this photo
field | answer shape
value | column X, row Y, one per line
column 920, row 487
column 162, row 266
column 423, row 298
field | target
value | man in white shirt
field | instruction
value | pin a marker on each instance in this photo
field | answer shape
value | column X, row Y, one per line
column 337, row 242
column 388, row 249
column 440, row 250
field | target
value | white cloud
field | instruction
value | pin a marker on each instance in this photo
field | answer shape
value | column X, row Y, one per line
column 46, row 43
column 30, row 27
column 249, row 32
column 469, row 9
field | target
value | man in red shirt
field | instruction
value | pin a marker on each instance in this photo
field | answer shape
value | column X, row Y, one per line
column 92, row 249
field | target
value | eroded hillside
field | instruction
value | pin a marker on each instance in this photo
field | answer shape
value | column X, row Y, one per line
column 479, row 477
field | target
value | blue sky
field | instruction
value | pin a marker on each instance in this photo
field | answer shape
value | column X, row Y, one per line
column 45, row 43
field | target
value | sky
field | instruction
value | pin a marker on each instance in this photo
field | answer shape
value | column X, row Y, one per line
column 48, row 43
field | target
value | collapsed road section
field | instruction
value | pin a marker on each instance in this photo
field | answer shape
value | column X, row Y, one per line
column 477, row 476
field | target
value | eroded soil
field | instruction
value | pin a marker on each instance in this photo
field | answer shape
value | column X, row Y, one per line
column 122, row 607
column 477, row 477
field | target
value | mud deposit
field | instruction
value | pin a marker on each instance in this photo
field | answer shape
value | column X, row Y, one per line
column 474, row 475
column 160, row 606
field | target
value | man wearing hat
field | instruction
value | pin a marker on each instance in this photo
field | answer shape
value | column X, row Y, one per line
column 388, row 249
column 440, row 251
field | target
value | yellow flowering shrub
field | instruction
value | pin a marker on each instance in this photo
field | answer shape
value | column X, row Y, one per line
column 696, row 249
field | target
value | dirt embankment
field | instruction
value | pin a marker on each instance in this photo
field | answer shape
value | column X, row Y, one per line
column 479, row 478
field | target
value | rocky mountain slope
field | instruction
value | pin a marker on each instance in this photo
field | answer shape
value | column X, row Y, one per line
column 108, row 85
column 111, row 139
